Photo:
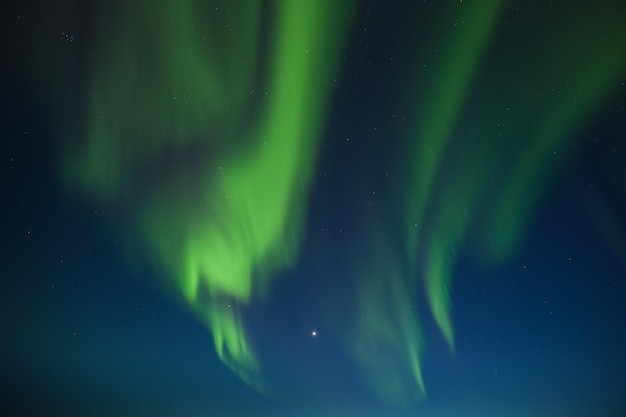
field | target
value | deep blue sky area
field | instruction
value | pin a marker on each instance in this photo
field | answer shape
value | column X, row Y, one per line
column 89, row 327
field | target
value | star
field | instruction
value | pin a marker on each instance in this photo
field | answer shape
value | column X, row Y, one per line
column 314, row 333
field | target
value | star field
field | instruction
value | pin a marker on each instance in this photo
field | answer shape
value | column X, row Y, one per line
column 314, row 208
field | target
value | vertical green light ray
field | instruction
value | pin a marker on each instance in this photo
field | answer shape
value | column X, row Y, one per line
column 451, row 77
column 385, row 337
column 590, row 86
column 440, row 254
column 580, row 76
column 590, row 75
column 224, row 201
column 436, row 121
column 454, row 207
column 387, row 323
column 251, row 227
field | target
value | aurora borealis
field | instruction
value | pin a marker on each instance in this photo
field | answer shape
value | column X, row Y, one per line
column 323, row 185
column 232, row 224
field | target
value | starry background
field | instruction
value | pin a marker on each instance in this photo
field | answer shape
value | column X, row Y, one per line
column 524, row 103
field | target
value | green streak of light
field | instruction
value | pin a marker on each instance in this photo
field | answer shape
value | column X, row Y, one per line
column 222, row 225
column 590, row 76
column 452, row 78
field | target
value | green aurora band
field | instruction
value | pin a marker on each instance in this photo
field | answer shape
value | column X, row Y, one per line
column 204, row 135
column 220, row 225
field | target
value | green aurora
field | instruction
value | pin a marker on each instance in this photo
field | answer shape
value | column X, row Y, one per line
column 205, row 121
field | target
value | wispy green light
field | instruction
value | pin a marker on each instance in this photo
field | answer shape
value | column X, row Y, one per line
column 203, row 128
column 225, row 189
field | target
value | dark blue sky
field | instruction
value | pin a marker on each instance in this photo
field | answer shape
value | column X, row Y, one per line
column 89, row 331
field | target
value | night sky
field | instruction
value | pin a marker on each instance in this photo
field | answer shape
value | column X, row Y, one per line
column 314, row 208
